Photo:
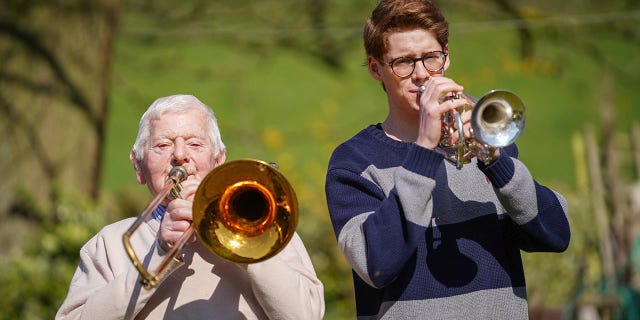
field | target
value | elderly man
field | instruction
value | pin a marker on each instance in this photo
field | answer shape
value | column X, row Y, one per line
column 180, row 130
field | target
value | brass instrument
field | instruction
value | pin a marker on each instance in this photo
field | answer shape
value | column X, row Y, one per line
column 244, row 211
column 497, row 120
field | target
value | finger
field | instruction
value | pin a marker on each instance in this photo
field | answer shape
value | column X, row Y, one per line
column 179, row 209
column 449, row 113
column 467, row 132
column 438, row 87
column 177, row 228
column 188, row 191
column 189, row 187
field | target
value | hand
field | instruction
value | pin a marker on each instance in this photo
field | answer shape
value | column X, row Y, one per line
column 179, row 215
column 484, row 154
column 433, row 105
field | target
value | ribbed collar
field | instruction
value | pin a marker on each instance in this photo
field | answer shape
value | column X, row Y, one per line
column 158, row 213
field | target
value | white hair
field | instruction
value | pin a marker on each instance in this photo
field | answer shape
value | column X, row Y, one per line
column 178, row 102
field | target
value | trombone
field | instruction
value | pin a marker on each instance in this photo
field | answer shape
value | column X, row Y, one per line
column 497, row 120
column 244, row 211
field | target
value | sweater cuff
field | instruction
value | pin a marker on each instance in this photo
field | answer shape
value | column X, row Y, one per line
column 422, row 161
column 499, row 171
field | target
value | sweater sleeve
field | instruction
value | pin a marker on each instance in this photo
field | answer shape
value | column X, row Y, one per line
column 98, row 289
column 378, row 231
column 286, row 285
column 539, row 213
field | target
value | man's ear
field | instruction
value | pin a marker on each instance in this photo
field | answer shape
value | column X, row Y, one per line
column 448, row 62
column 374, row 67
column 136, row 167
column 221, row 158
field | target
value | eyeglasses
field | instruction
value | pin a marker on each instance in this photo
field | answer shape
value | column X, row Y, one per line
column 404, row 66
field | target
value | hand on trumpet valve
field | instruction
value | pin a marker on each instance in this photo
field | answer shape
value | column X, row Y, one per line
column 450, row 96
column 435, row 101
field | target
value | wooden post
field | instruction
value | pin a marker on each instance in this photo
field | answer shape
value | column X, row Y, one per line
column 634, row 193
column 635, row 147
column 598, row 203
column 616, row 195
column 580, row 163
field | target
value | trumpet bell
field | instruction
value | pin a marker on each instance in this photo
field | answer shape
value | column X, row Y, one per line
column 498, row 118
column 245, row 211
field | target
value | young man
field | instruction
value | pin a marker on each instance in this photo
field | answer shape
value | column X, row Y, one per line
column 181, row 131
column 427, row 240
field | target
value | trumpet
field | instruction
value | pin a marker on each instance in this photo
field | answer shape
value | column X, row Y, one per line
column 497, row 120
column 244, row 211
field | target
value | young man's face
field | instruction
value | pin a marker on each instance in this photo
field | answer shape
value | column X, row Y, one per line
column 402, row 92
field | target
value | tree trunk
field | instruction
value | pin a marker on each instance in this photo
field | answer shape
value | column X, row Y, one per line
column 54, row 100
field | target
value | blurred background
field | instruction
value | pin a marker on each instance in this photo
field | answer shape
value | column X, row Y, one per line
column 287, row 83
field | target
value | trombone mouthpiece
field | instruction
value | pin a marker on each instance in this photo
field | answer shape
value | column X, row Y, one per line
column 179, row 173
column 422, row 89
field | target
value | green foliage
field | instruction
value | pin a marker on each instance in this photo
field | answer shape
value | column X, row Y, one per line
column 269, row 77
column 34, row 279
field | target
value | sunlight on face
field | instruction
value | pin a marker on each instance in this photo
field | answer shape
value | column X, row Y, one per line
column 402, row 92
column 177, row 138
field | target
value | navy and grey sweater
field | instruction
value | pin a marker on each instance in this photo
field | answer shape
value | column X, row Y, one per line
column 428, row 241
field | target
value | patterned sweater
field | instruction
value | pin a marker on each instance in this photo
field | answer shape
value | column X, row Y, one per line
column 428, row 241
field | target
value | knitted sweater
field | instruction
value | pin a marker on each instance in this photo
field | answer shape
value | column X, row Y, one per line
column 428, row 241
column 106, row 285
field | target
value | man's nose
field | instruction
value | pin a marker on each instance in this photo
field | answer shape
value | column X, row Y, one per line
column 180, row 152
column 420, row 71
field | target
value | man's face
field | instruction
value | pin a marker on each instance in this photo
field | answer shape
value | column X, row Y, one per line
column 177, row 138
column 402, row 93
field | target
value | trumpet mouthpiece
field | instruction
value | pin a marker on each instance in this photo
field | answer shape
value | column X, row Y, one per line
column 422, row 89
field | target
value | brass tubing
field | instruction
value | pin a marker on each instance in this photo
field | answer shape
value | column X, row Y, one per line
column 172, row 185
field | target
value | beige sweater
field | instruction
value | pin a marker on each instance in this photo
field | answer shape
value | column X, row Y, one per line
column 106, row 285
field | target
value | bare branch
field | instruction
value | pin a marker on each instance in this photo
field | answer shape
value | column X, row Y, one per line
column 36, row 47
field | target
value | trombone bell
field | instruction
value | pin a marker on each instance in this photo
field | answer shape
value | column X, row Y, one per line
column 245, row 211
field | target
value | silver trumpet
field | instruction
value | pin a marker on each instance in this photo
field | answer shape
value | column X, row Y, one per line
column 497, row 120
